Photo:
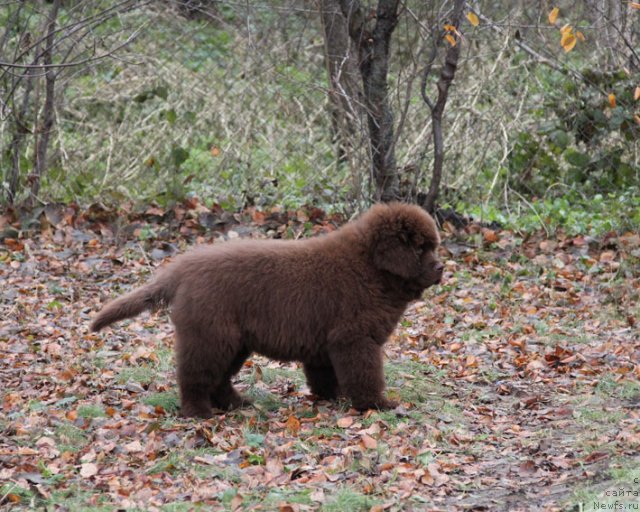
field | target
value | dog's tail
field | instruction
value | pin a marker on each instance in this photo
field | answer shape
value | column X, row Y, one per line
column 151, row 296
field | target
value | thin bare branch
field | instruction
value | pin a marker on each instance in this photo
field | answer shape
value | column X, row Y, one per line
column 447, row 74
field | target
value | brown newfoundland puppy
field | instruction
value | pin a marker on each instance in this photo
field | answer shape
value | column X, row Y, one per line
column 330, row 302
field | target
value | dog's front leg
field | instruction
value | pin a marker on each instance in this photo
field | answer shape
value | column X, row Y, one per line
column 359, row 368
column 322, row 380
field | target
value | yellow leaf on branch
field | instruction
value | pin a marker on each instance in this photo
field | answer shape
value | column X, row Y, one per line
column 452, row 30
column 553, row 15
column 473, row 19
column 612, row 100
column 568, row 40
column 450, row 39
column 566, row 28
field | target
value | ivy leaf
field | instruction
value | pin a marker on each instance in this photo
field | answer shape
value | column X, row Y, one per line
column 577, row 158
column 161, row 92
column 179, row 155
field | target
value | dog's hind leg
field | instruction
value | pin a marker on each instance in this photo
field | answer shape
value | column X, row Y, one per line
column 204, row 363
column 225, row 396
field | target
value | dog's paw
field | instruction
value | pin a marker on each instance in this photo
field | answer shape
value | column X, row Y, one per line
column 196, row 411
column 382, row 404
column 385, row 404
column 239, row 402
column 324, row 394
column 233, row 400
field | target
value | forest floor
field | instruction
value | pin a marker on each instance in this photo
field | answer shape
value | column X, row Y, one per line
column 518, row 379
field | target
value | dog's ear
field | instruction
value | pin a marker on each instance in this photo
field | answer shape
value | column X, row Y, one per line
column 395, row 253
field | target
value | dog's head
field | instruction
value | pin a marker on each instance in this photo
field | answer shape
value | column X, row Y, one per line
column 404, row 240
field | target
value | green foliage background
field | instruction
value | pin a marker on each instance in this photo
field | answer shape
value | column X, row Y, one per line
column 233, row 109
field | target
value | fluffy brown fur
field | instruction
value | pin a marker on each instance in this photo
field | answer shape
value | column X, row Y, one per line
column 329, row 302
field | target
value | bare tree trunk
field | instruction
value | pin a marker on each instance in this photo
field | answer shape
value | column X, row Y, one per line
column 43, row 132
column 19, row 114
column 373, row 45
column 20, row 128
column 437, row 109
column 630, row 33
column 613, row 16
column 344, row 92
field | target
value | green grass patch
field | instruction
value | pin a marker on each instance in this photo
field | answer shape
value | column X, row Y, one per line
column 230, row 474
column 166, row 361
column 271, row 500
column 91, row 411
column 271, row 375
column 597, row 415
column 624, row 389
column 24, row 495
column 71, row 438
column 253, row 439
column 36, row 405
column 141, row 375
column 168, row 400
column 277, row 496
column 172, row 463
column 348, row 500
column 413, row 382
column 264, row 400
column 184, row 507
column 72, row 498
column 75, row 498
column 330, row 432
